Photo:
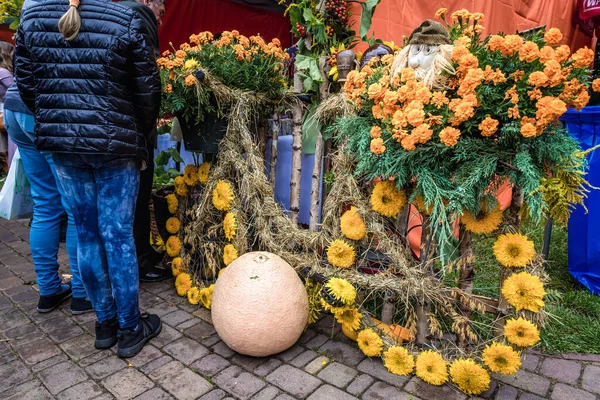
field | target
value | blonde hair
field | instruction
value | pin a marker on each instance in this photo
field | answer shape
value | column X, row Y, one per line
column 433, row 77
column 70, row 22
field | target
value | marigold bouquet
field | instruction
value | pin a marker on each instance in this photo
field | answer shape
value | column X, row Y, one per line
column 238, row 62
column 495, row 118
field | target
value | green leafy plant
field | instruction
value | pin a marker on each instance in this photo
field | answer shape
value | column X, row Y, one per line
column 10, row 11
column 164, row 176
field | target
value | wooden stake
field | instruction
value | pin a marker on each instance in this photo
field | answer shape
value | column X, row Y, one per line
column 296, row 154
column 274, row 139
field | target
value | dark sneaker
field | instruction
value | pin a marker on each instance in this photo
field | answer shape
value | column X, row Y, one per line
column 49, row 303
column 131, row 341
column 106, row 333
column 80, row 306
column 155, row 274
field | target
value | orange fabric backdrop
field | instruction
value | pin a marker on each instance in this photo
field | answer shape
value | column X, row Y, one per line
column 394, row 18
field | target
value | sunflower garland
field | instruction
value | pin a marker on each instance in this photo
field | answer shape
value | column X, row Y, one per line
column 229, row 254
column 190, row 175
column 514, row 250
column 524, row 291
column 340, row 254
column 177, row 266
column 484, row 223
column 341, row 290
column 432, row 368
column 469, row 376
column 193, row 295
column 369, row 343
column 398, row 361
column 180, row 187
column 349, row 317
column 173, row 203
column 203, row 171
column 521, row 332
column 352, row 225
column 206, row 296
column 387, row 200
column 222, row 196
column 183, row 283
column 230, row 225
column 501, row 358
column 173, row 246
column 173, row 225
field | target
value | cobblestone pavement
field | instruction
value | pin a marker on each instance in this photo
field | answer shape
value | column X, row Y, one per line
column 48, row 356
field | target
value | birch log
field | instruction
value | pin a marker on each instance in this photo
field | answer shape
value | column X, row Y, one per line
column 274, row 139
column 296, row 154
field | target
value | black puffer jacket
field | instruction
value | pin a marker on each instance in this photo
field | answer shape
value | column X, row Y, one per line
column 97, row 94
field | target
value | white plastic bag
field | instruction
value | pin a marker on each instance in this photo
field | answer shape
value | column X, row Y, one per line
column 15, row 197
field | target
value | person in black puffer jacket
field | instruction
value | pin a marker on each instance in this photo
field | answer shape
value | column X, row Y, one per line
column 89, row 77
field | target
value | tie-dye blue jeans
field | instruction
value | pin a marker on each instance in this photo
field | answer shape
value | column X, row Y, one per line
column 102, row 192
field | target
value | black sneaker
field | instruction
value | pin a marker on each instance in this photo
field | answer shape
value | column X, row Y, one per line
column 49, row 303
column 80, row 306
column 131, row 341
column 155, row 274
column 106, row 333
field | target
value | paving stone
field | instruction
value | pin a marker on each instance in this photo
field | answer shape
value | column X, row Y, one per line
column 23, row 334
column 360, row 384
column 284, row 397
column 147, row 299
column 154, row 394
column 529, row 396
column 375, row 368
column 203, row 314
column 186, row 350
column 247, row 362
column 328, row 325
column 306, row 336
column 328, row 392
column 591, row 379
column 38, row 350
column 561, row 370
column 381, row 391
column 344, row 353
column 167, row 335
column 12, row 319
column 155, row 364
column 105, row 367
column 7, row 358
column 13, row 374
column 94, row 358
column 201, row 330
column 62, row 376
column 582, row 357
column 38, row 393
column 529, row 361
column 80, row 347
column 490, row 392
column 337, row 374
column 291, row 353
column 268, row 393
column 65, row 333
column 304, row 358
column 83, row 391
column 316, row 342
column 7, row 283
column 177, row 317
column 22, row 390
column 48, row 363
column 147, row 354
column 267, row 367
column 566, row 392
column 316, row 365
column 507, row 392
column 239, row 383
column 216, row 394
column 418, row 387
column 180, row 381
column 162, row 309
column 171, row 296
column 528, row 381
column 187, row 324
column 210, row 365
column 157, row 287
column 294, row 381
column 223, row 350
column 210, row 341
column 10, row 292
column 127, row 384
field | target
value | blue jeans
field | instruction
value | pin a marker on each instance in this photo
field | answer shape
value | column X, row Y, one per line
column 48, row 208
column 102, row 191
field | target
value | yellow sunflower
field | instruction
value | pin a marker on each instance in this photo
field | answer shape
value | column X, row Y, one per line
column 203, row 171
column 341, row 290
column 514, row 250
column 177, row 266
column 328, row 307
column 230, row 225
column 469, row 376
column 222, row 196
column 524, row 291
column 340, row 254
column 501, row 358
column 521, row 332
column 180, row 187
column 369, row 343
column 399, row 361
column 173, row 203
column 190, row 175
column 206, row 296
column 432, row 368
column 173, row 246
column 483, row 223
column 173, row 225
column 193, row 295
column 352, row 225
column 386, row 199
column 183, row 283
column 229, row 254
column 349, row 317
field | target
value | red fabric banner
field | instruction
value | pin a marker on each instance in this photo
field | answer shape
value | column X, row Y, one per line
column 589, row 8
column 186, row 17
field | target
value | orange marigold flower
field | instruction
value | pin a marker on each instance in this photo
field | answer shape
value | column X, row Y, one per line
column 562, row 53
column 512, row 44
column 449, row 136
column 546, row 54
column 493, row 76
column 513, row 112
column 535, row 94
column 180, row 54
column 409, row 143
column 463, row 15
column 538, row 79
column 596, row 85
column 528, row 130
column 390, row 98
column 527, row 120
column 553, row 72
column 387, row 59
column 434, row 119
column 467, row 62
column 399, row 119
column 378, row 112
column 512, row 95
column 438, row 99
column 462, row 41
column 189, row 80
column 529, row 51
column 168, row 88
column 415, row 117
column 377, row 147
column 496, row 43
column 376, row 91
column 463, row 112
column 407, row 74
column 488, row 126
column 553, row 36
column 471, row 99
column 549, row 108
column 423, row 95
column 422, row 133
column 375, row 132
column 459, row 51
column 582, row 57
column 440, row 13
column 185, row 47
column 471, row 81
column 581, row 100
column 399, row 134
column 518, row 75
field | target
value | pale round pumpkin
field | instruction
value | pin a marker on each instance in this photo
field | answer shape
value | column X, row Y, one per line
column 259, row 305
